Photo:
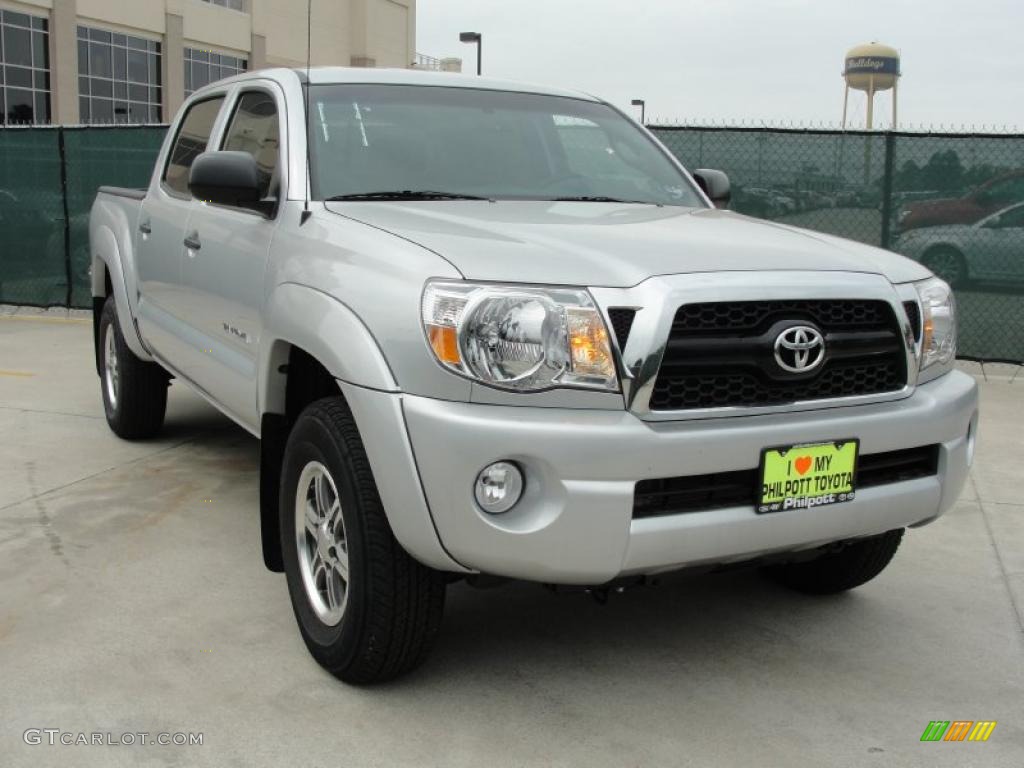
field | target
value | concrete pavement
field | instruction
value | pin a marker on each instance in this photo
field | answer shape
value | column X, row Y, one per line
column 133, row 598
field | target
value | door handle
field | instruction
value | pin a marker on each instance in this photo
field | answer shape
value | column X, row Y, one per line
column 145, row 228
column 192, row 242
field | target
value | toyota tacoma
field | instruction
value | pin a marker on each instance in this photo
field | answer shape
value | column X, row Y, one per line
column 486, row 329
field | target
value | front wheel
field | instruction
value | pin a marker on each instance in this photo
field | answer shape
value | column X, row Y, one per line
column 134, row 391
column 856, row 563
column 367, row 611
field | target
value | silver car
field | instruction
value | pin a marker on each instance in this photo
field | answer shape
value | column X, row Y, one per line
column 990, row 249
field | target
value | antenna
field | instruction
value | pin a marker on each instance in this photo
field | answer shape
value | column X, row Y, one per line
column 306, row 213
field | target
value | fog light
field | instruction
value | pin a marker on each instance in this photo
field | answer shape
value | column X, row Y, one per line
column 498, row 487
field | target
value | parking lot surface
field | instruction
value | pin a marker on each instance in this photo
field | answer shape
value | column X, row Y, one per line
column 133, row 598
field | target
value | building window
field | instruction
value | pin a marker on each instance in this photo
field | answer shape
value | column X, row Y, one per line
column 205, row 67
column 118, row 78
column 25, row 74
column 238, row 5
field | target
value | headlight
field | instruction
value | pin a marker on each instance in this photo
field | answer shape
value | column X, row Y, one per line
column 938, row 322
column 519, row 337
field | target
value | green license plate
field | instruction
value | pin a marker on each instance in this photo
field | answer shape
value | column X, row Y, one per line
column 808, row 475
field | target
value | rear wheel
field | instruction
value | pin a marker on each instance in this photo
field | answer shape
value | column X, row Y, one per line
column 134, row 391
column 947, row 263
column 856, row 563
column 367, row 611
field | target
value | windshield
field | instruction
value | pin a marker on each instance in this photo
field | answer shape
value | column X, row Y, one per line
column 421, row 142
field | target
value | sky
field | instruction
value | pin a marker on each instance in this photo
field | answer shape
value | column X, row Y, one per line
column 752, row 61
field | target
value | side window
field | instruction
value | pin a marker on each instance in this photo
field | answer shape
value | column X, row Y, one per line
column 193, row 136
column 254, row 129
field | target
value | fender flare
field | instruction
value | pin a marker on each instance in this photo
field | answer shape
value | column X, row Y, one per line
column 107, row 254
column 324, row 327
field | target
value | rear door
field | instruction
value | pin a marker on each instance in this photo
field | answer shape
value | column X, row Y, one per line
column 225, row 270
column 160, row 249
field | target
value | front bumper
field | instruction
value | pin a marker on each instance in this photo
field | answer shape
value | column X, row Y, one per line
column 574, row 524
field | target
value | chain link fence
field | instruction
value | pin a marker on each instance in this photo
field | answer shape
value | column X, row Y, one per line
column 954, row 202
column 48, row 181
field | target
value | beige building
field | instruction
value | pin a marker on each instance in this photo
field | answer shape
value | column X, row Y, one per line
column 134, row 61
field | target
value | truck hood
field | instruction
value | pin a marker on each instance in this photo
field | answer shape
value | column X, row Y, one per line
column 613, row 245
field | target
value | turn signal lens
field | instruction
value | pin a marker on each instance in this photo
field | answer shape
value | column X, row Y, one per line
column 588, row 342
column 445, row 343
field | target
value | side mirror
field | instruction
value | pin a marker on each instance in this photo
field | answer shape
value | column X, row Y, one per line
column 715, row 185
column 225, row 178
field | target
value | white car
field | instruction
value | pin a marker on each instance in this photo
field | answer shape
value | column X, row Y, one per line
column 990, row 249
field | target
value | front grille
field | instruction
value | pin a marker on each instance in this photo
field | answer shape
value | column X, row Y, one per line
column 722, row 354
column 914, row 316
column 701, row 493
column 622, row 323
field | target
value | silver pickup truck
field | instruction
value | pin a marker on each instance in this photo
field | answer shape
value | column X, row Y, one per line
column 485, row 329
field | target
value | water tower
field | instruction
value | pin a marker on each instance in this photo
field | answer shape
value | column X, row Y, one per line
column 872, row 67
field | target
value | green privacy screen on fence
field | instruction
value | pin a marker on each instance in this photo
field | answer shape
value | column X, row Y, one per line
column 45, row 229
column 953, row 201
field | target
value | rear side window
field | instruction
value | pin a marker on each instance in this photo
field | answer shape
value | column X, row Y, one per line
column 254, row 129
column 193, row 136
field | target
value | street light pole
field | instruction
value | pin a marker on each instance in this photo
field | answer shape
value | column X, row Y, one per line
column 475, row 37
column 643, row 109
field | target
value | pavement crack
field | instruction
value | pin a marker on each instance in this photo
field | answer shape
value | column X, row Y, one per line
column 39, row 496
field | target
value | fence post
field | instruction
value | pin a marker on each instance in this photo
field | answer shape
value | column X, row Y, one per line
column 67, row 216
column 890, row 144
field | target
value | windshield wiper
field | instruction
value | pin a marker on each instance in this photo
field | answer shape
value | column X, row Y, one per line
column 406, row 194
column 602, row 199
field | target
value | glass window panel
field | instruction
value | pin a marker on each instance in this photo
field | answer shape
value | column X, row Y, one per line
column 20, row 108
column 102, row 111
column 155, row 96
column 42, row 79
column 188, row 78
column 21, row 19
column 83, row 57
column 254, row 129
column 42, row 107
column 198, row 55
column 83, row 109
column 193, row 136
column 83, row 33
column 137, row 71
column 99, row 35
column 17, row 47
column 137, row 43
column 154, row 69
column 215, row 73
column 39, row 23
column 83, row 86
column 120, row 64
column 118, row 39
column 104, row 88
column 19, row 77
column 155, row 114
column 99, row 61
column 153, row 46
column 120, row 112
column 40, row 54
column 138, row 92
column 200, row 75
column 138, row 113
column 120, row 90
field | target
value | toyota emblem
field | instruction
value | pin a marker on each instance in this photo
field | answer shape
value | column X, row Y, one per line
column 800, row 349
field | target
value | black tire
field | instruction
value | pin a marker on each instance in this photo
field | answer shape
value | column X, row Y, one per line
column 947, row 263
column 137, row 409
column 856, row 563
column 393, row 603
